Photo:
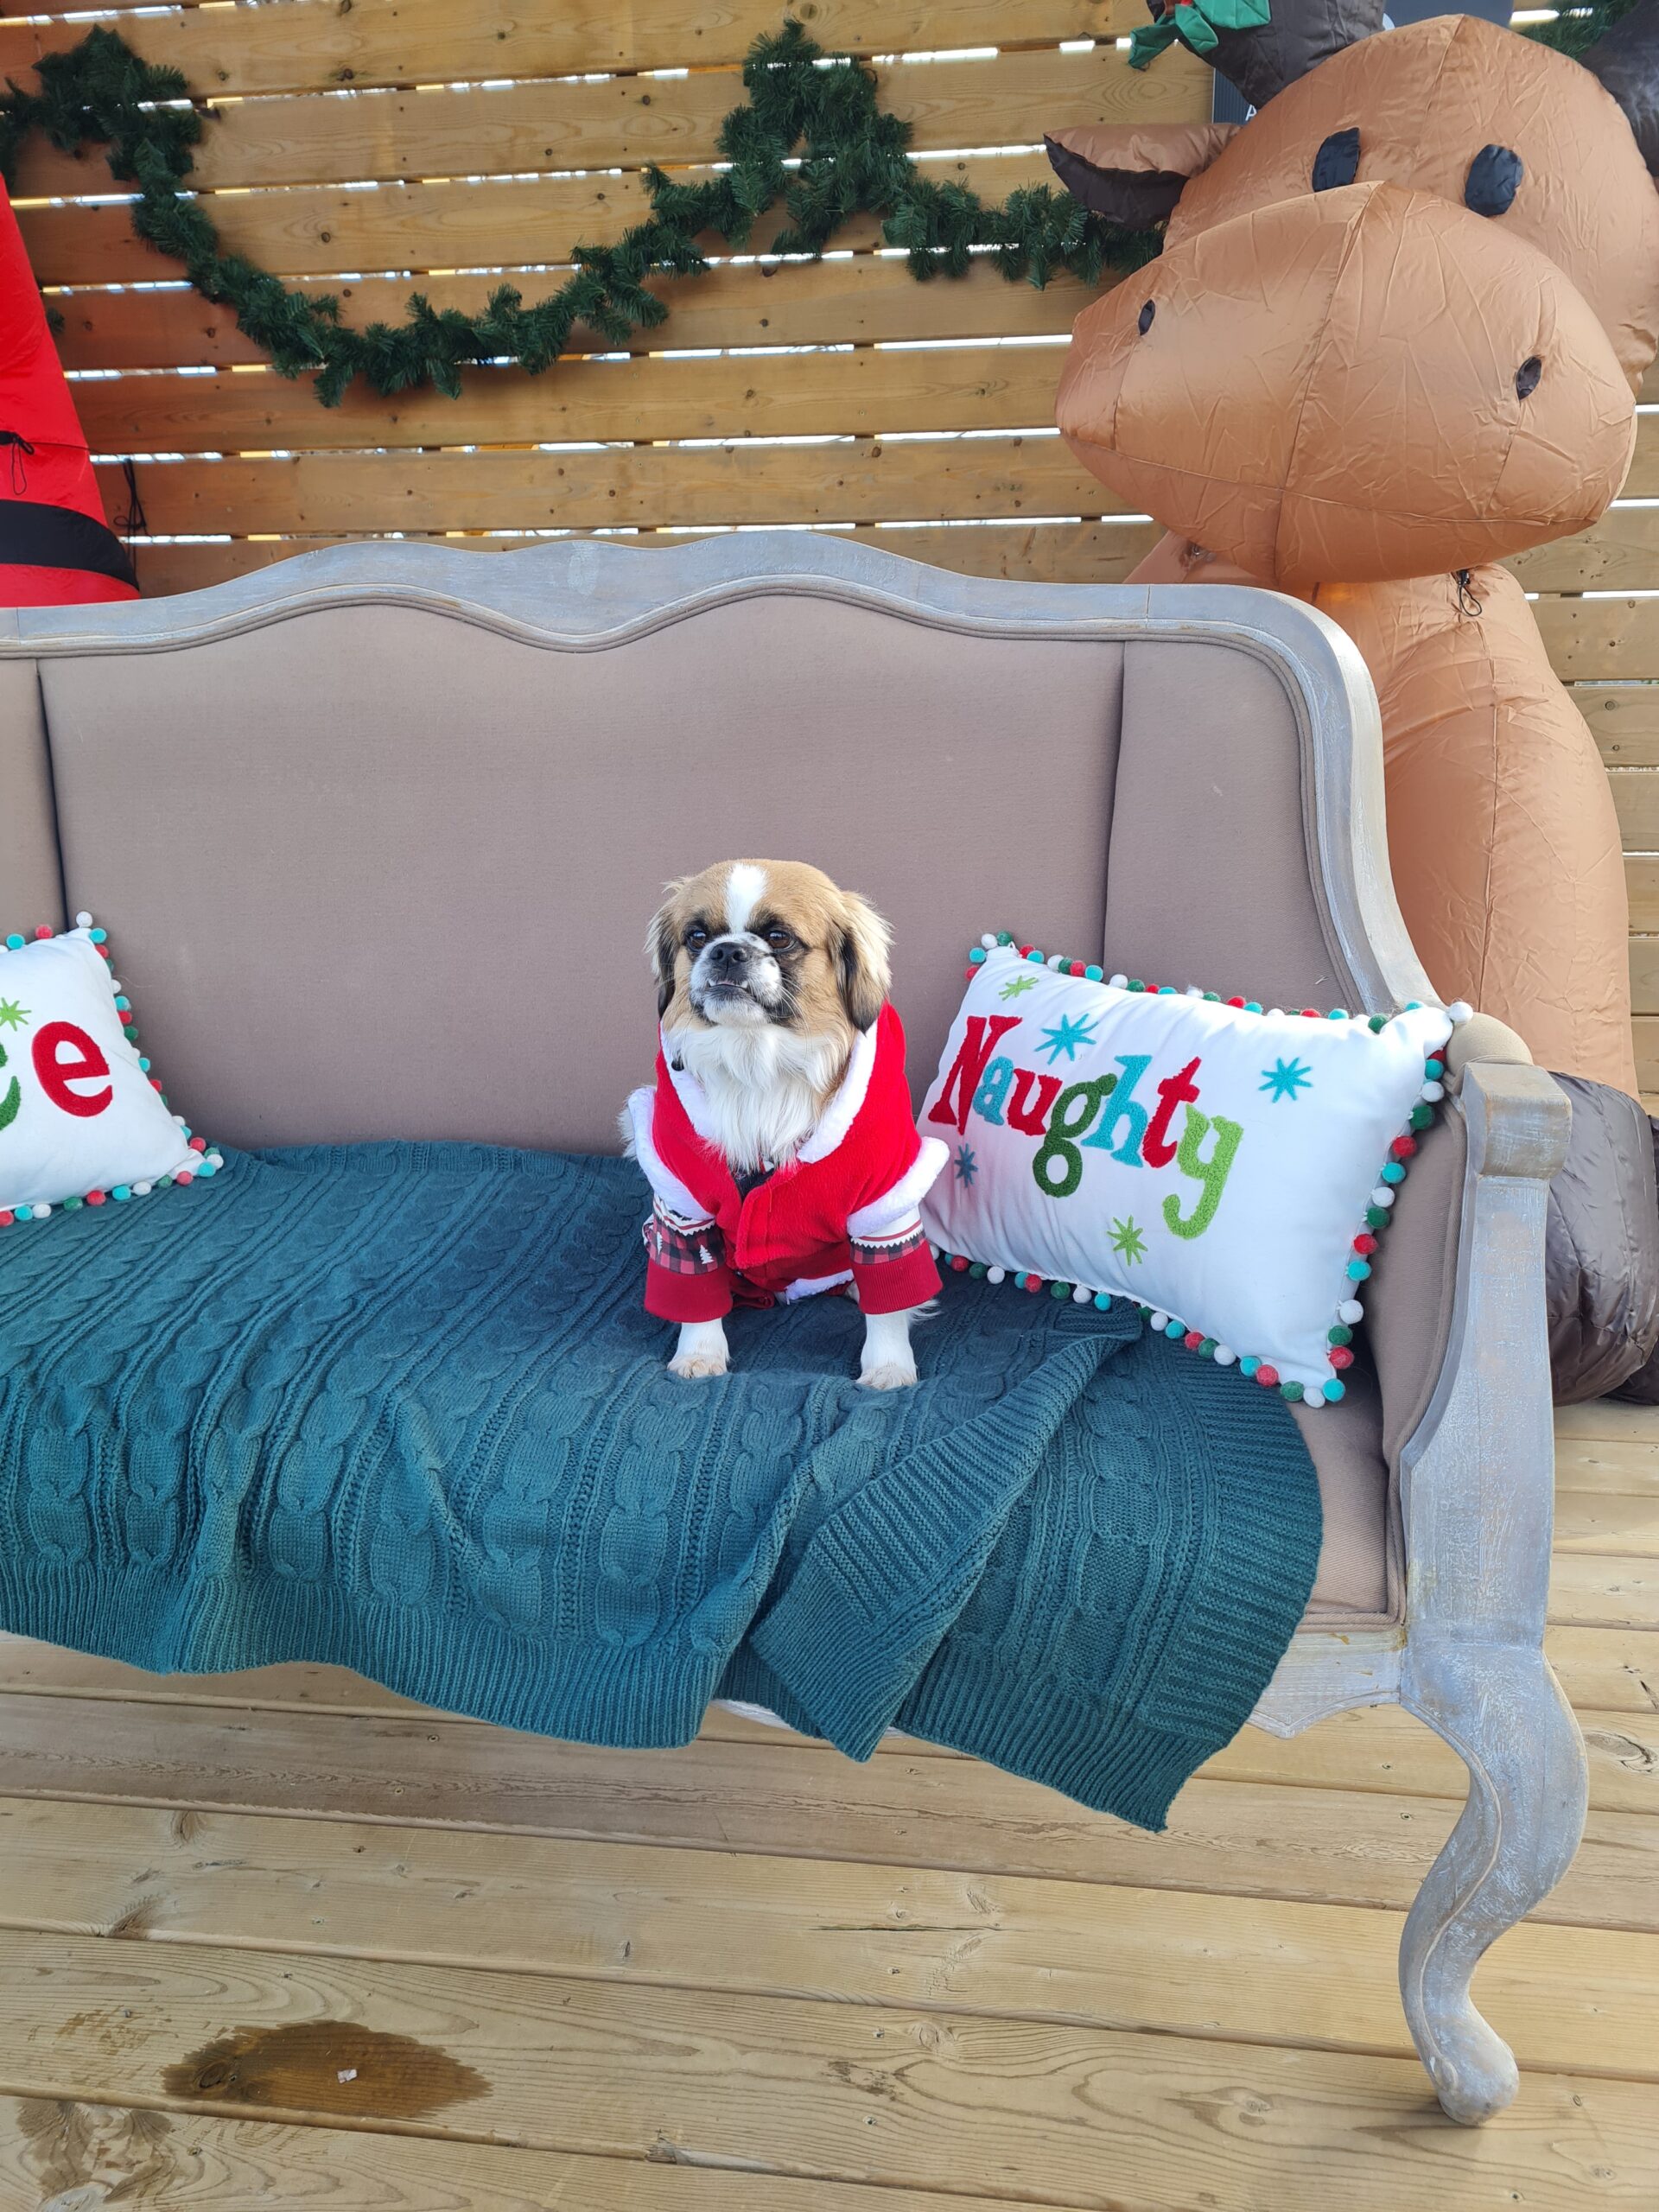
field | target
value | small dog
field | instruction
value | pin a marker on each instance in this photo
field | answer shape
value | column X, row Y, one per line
column 779, row 1139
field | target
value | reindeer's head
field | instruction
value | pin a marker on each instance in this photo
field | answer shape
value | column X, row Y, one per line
column 1354, row 405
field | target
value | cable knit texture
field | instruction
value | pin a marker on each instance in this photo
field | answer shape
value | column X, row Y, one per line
column 398, row 1407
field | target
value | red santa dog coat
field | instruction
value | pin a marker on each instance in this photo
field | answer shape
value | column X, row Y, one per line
column 846, row 1209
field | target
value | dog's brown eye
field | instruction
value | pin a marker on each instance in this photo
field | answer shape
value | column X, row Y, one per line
column 780, row 940
column 696, row 937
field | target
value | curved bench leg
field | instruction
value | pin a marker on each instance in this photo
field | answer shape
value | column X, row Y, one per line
column 1502, row 1711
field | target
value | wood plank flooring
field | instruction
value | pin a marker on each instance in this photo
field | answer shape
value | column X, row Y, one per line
column 286, row 1939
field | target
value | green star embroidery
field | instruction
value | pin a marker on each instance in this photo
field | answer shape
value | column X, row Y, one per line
column 1016, row 984
column 12, row 1016
column 1127, row 1242
column 1286, row 1079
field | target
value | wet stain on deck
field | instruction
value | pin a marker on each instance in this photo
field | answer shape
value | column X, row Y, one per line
column 326, row 2066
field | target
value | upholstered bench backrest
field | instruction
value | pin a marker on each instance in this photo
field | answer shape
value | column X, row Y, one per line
column 377, row 837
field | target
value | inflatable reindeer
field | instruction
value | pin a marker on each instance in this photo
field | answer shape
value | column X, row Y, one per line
column 1393, row 337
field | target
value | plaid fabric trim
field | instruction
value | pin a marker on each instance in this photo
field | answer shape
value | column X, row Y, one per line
column 870, row 1252
column 694, row 1250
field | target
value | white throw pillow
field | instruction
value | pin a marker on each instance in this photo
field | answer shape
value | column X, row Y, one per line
column 1230, row 1167
column 81, row 1117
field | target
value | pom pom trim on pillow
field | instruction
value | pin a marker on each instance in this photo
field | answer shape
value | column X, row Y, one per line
column 208, row 1162
column 1349, row 1309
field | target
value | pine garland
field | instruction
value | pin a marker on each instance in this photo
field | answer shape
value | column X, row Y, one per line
column 853, row 160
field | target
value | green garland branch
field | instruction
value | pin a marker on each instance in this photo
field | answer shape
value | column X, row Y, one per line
column 852, row 159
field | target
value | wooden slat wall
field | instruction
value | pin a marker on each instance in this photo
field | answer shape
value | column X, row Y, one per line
column 368, row 148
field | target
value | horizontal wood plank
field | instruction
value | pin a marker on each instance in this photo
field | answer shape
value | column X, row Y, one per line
column 1644, row 975
column 1645, row 1027
column 1587, row 1590
column 57, row 2155
column 946, row 2102
column 305, row 44
column 995, row 477
column 861, row 299
column 1641, row 886
column 1623, row 719
column 1311, row 1975
column 1314, row 1845
column 1622, row 550
column 1636, row 793
column 1598, row 639
column 1377, row 1748
column 629, row 122
column 500, row 223
column 871, row 391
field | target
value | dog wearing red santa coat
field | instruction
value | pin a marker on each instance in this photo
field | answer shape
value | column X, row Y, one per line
column 779, row 1138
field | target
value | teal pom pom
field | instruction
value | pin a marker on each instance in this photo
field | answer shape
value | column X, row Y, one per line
column 1036, row 958
column 1335, row 1390
column 143, row 1063
column 1394, row 1172
column 98, row 937
column 124, row 1006
column 1175, row 1332
column 975, row 958
column 1166, row 990
column 1434, row 1070
column 1358, row 1270
column 1019, row 1281
column 14, row 942
column 1102, row 1302
column 1252, row 1006
column 1414, row 1006
column 1293, row 1391
column 121, row 1193
column 1094, row 974
column 1248, row 1364
column 1337, row 1013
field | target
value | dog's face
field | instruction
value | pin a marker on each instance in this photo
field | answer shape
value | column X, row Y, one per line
column 750, row 944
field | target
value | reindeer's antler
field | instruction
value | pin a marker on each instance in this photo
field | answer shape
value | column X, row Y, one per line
column 1626, row 59
column 1260, row 57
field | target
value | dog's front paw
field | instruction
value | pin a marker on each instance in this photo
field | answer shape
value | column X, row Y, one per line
column 695, row 1366
column 891, row 1375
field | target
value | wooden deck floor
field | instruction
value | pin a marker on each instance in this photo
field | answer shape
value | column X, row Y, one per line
column 498, row 1974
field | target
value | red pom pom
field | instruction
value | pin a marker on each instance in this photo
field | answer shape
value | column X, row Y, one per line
column 198, row 1144
column 126, row 1014
column 1365, row 1244
column 155, row 1083
column 1025, row 951
column 1341, row 1356
column 94, row 1197
column 184, row 1177
column 960, row 1264
column 1402, row 1147
column 104, row 949
column 42, row 932
column 968, row 973
column 1268, row 1378
column 5, row 1216
column 1239, row 1002
column 1192, row 1339
column 1033, row 1282
column 1076, row 968
column 1310, row 1014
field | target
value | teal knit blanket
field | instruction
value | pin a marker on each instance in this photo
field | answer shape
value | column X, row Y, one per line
column 398, row 1408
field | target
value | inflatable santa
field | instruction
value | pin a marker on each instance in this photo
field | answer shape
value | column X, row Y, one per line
column 56, row 549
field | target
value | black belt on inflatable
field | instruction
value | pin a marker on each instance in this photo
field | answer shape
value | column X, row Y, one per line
column 39, row 536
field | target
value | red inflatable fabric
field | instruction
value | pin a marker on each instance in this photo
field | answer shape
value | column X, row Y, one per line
column 56, row 549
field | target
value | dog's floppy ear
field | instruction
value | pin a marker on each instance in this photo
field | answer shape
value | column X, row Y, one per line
column 661, row 945
column 861, row 942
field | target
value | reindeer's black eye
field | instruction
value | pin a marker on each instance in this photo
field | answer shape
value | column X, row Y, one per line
column 1337, row 161
column 1144, row 323
column 1494, row 176
column 1527, row 375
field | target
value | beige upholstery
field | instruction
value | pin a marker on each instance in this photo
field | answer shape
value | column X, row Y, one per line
column 382, row 870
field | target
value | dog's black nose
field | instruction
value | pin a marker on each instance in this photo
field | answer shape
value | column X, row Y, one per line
column 728, row 956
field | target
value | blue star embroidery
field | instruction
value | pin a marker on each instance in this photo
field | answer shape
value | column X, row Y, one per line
column 1065, row 1037
column 967, row 1165
column 1286, row 1079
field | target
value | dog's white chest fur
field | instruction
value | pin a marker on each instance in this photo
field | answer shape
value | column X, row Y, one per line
column 764, row 1087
